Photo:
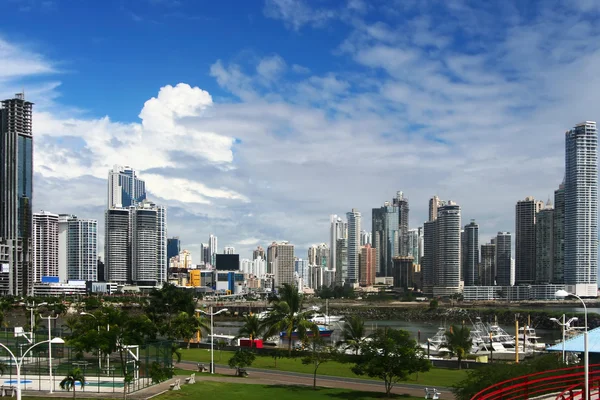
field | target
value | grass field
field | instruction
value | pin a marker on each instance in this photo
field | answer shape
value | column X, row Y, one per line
column 436, row 376
column 236, row 391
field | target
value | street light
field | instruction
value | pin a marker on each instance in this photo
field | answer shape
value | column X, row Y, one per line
column 212, row 336
column 31, row 308
column 586, row 359
column 55, row 340
column 565, row 327
column 99, row 352
column 50, row 352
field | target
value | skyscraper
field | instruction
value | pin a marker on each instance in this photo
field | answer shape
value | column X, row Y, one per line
column 401, row 203
column 581, row 209
column 301, row 268
column 45, row 245
column 341, row 259
column 77, row 248
column 146, row 263
column 385, row 236
column 427, row 261
column 16, row 191
column 525, row 217
column 283, row 267
column 125, row 189
column 366, row 237
column 338, row 229
column 415, row 244
column 471, row 255
column 503, row 258
column 354, row 220
column 487, row 269
column 205, row 253
column 117, row 255
column 318, row 254
column 368, row 259
column 447, row 263
column 212, row 245
column 544, row 245
column 559, row 234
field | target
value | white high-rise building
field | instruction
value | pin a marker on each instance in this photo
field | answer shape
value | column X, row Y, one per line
column 301, row 268
column 366, row 237
column 447, row 261
column 581, row 210
column 45, row 245
column 338, row 230
column 354, row 220
column 229, row 250
column 77, row 248
column 415, row 244
column 125, row 189
column 212, row 249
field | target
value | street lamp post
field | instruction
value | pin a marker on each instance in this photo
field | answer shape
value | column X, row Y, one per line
column 31, row 308
column 48, row 318
column 586, row 358
column 19, row 363
column 565, row 327
column 212, row 336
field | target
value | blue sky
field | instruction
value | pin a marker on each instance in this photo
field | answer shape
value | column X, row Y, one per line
column 255, row 120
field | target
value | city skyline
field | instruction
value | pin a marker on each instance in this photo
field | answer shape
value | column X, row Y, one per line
column 235, row 162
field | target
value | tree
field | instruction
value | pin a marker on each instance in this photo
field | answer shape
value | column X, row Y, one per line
column 277, row 354
column 288, row 316
column 391, row 355
column 221, row 344
column 184, row 326
column 459, row 342
column 480, row 378
column 433, row 304
column 251, row 328
column 75, row 375
column 353, row 333
column 241, row 359
column 163, row 302
column 318, row 354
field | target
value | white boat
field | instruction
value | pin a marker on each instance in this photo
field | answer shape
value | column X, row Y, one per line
column 436, row 345
column 532, row 341
column 324, row 319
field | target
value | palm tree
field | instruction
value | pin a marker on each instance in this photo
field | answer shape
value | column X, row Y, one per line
column 184, row 326
column 252, row 328
column 353, row 333
column 288, row 316
column 459, row 342
column 75, row 375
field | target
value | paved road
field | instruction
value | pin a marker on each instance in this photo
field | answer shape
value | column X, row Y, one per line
column 265, row 376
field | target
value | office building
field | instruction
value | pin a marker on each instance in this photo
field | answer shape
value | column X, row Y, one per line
column 366, row 237
column 283, row 266
column 428, row 258
column 212, row 246
column 401, row 204
column 544, row 245
column 338, row 229
column 368, row 261
column 229, row 250
column 144, row 244
column 503, row 244
column 227, row 262
column 581, row 209
column 173, row 247
column 125, row 189
column 259, row 252
column 470, row 257
column 271, row 252
column 16, row 192
column 385, row 236
column 78, row 249
column 354, row 224
column 525, row 217
column 45, row 245
column 559, row 235
column 301, row 268
column 487, row 269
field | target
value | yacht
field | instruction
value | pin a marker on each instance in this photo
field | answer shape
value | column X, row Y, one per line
column 324, row 319
column 532, row 341
column 436, row 344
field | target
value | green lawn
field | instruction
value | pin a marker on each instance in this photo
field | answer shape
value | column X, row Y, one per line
column 236, row 391
column 436, row 376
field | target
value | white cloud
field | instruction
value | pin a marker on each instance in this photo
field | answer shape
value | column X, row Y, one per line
column 18, row 62
column 299, row 69
column 296, row 13
column 271, row 67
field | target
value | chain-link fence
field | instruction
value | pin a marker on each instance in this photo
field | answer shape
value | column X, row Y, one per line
column 104, row 374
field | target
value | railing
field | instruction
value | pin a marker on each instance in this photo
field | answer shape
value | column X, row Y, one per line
column 559, row 384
